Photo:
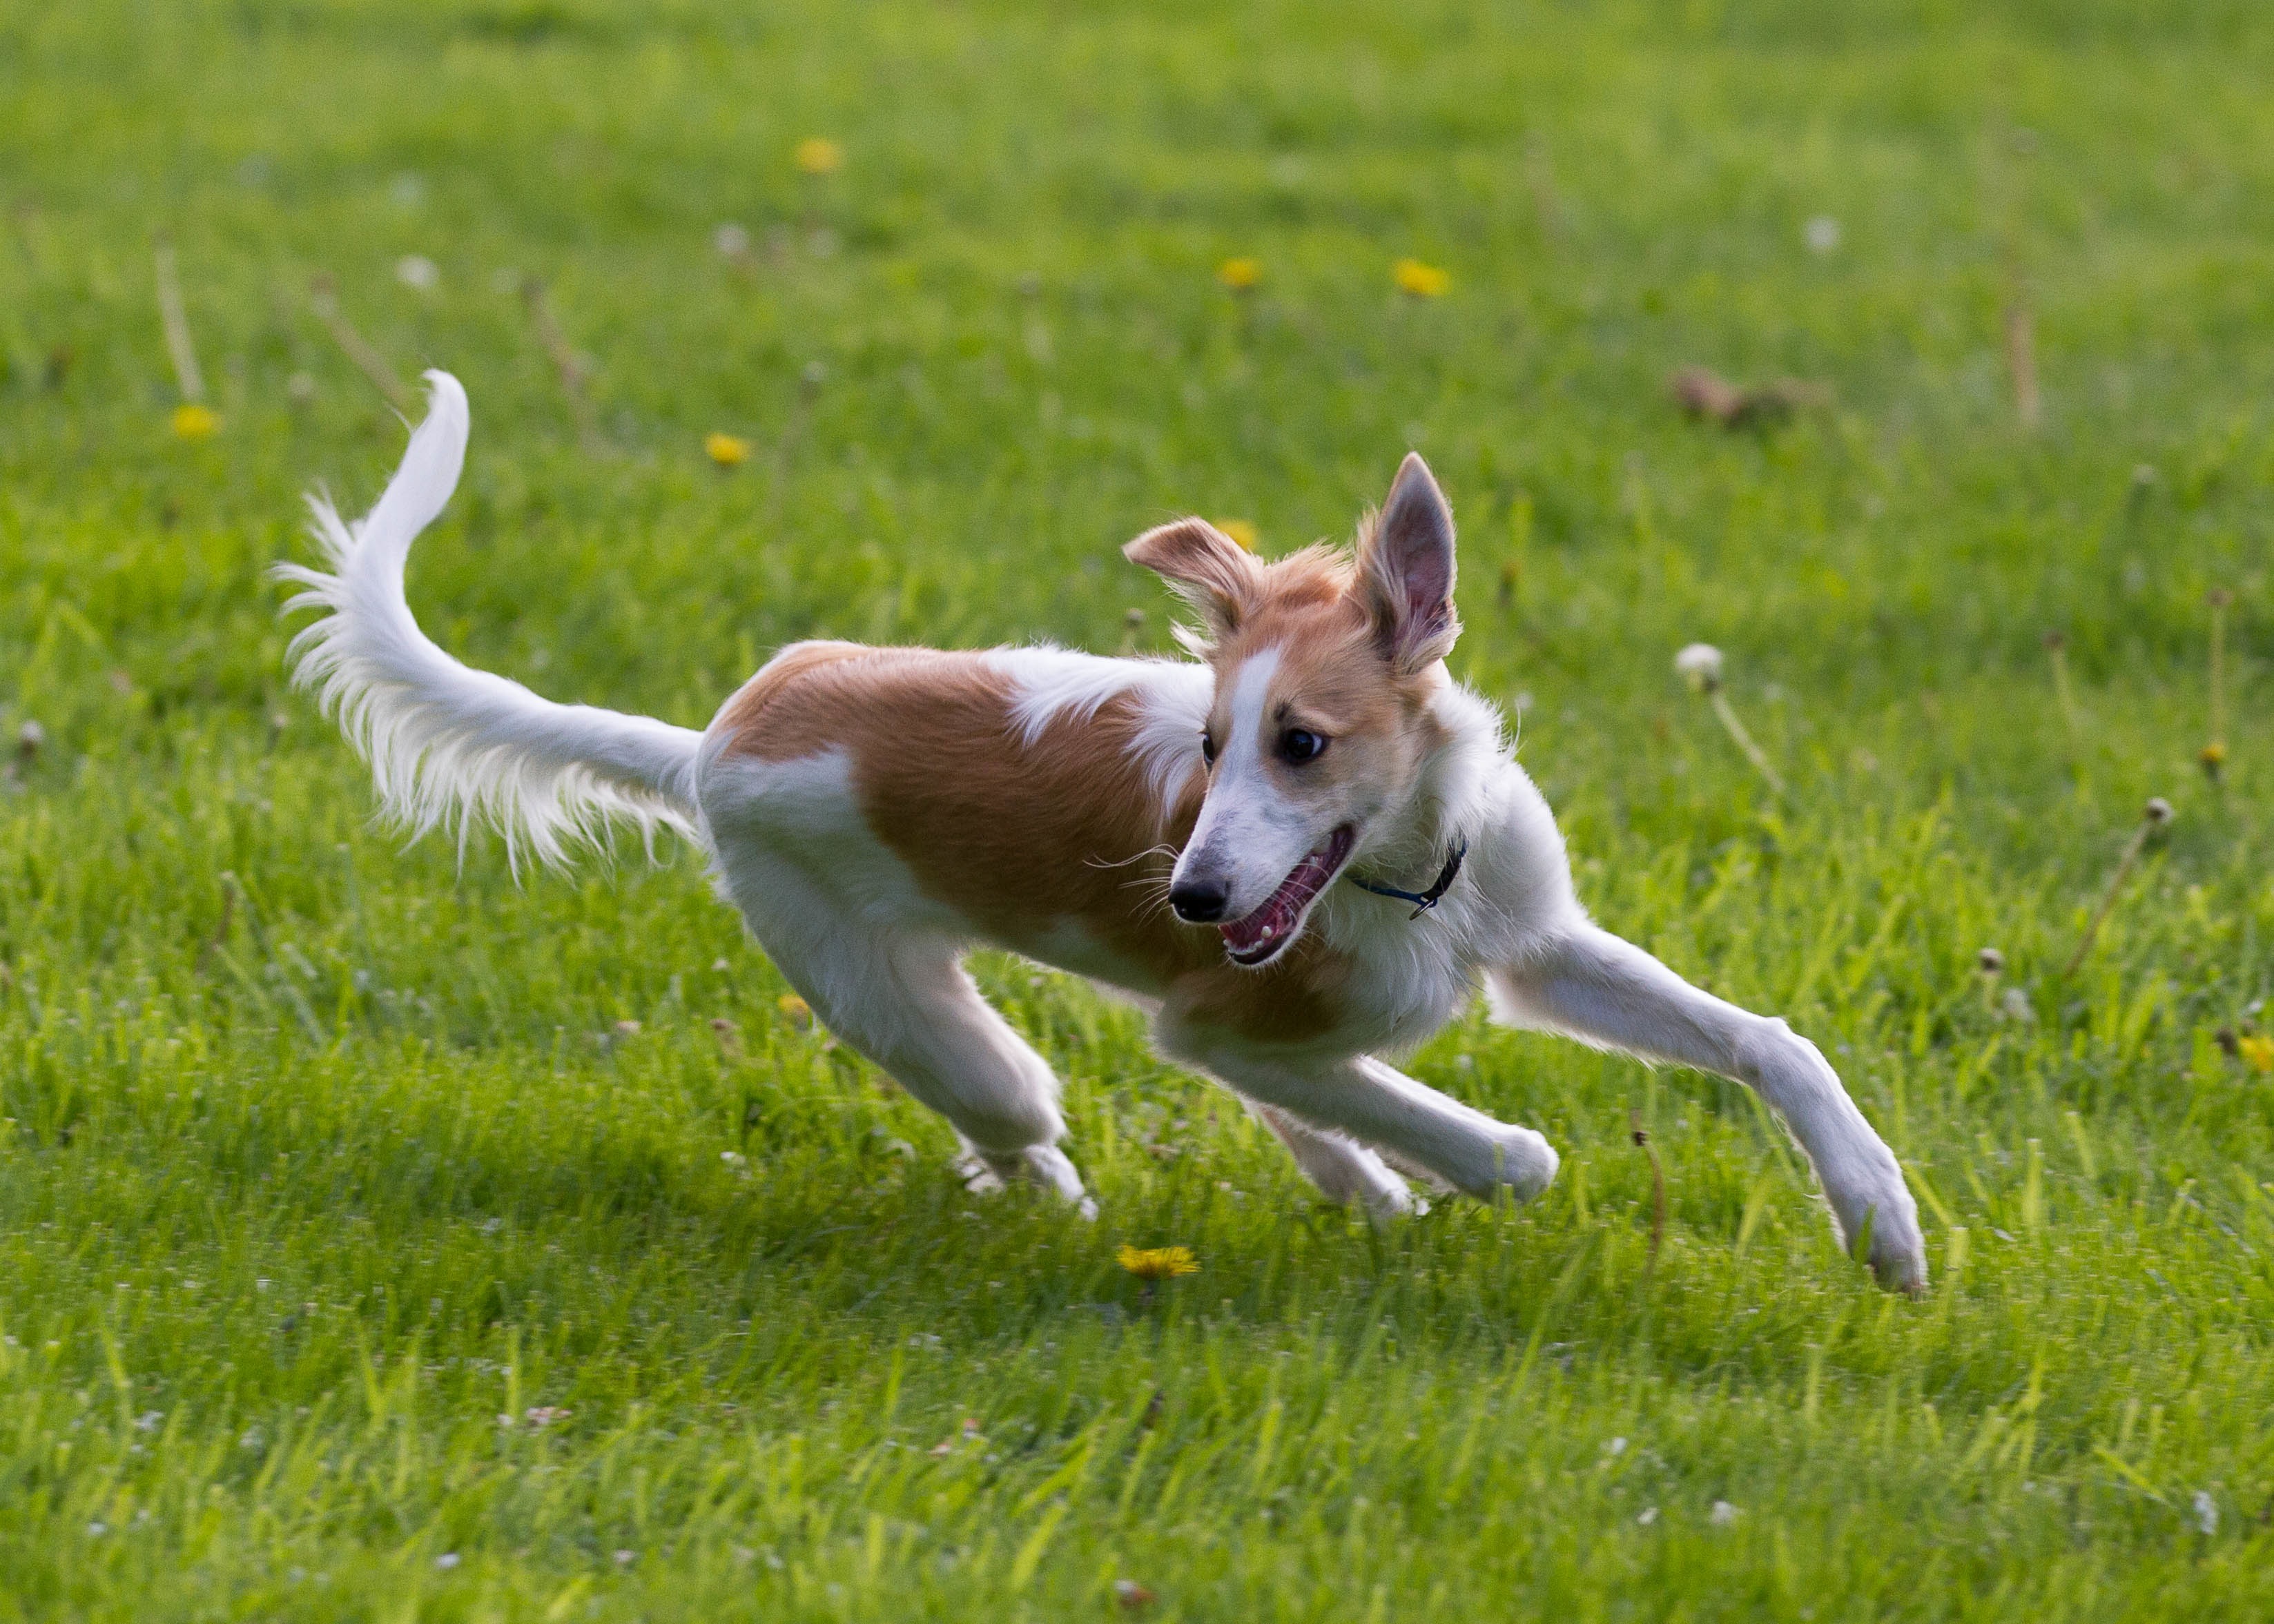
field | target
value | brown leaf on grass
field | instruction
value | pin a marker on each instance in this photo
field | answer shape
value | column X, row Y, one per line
column 730, row 1036
column 1702, row 393
column 1129, row 1595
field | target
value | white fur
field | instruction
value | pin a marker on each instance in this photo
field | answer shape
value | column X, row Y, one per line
column 847, row 924
column 1173, row 701
column 452, row 746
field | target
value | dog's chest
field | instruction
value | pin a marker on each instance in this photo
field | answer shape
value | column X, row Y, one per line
column 1362, row 990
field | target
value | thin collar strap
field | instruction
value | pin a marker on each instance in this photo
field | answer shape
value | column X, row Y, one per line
column 1422, row 900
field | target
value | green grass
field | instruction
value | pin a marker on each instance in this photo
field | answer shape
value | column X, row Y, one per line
column 320, row 1155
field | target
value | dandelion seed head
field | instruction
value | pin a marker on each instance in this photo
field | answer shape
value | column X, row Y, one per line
column 2157, row 811
column 1699, row 664
column 2206, row 1511
column 1822, row 233
column 416, row 271
column 731, row 241
column 1723, row 1514
column 1989, row 961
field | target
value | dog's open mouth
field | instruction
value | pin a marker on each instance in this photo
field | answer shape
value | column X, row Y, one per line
column 1258, row 937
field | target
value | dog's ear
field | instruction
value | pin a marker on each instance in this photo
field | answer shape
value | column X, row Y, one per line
column 1405, row 571
column 1209, row 569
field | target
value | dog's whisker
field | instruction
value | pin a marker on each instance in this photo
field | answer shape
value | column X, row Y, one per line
column 1151, row 851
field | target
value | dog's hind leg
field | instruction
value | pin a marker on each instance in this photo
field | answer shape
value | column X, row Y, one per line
column 902, row 998
column 1345, row 1172
column 1590, row 985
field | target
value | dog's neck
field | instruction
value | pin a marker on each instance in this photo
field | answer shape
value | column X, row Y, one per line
column 1442, row 811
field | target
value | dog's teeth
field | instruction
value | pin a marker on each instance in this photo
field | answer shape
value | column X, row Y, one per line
column 1266, row 933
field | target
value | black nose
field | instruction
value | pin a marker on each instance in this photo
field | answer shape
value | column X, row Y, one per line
column 1198, row 902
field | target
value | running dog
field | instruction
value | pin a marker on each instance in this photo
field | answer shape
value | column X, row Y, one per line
column 1302, row 849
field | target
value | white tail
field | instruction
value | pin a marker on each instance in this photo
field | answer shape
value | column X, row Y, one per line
column 453, row 747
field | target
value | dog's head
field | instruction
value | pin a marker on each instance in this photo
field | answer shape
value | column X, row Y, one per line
column 1325, row 665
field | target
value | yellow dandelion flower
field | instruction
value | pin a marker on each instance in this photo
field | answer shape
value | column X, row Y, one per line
column 1152, row 1263
column 2213, row 756
column 2257, row 1052
column 1241, row 531
column 1422, row 282
column 1240, row 274
column 795, row 1010
column 195, row 422
column 817, row 154
column 726, row 450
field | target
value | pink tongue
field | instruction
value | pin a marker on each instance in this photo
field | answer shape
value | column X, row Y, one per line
column 1278, row 916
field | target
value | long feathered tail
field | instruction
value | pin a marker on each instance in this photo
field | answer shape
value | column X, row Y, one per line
column 448, row 745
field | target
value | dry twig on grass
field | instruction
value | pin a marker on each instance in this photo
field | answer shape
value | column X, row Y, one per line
column 2153, row 816
column 323, row 299
column 568, row 366
column 177, row 322
column 1657, row 1183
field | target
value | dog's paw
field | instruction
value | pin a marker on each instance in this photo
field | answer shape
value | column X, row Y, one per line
column 1524, row 1162
column 986, row 1173
column 1897, row 1252
column 1878, row 1226
column 1391, row 1199
column 978, row 1175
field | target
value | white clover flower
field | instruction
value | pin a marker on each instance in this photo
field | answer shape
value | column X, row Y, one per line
column 418, row 271
column 1823, row 234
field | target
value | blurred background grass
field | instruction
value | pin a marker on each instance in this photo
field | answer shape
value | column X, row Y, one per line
column 321, row 1156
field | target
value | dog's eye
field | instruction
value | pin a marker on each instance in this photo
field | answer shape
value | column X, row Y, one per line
column 1300, row 744
column 1207, row 747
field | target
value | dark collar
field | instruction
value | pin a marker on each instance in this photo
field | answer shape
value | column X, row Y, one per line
column 1422, row 900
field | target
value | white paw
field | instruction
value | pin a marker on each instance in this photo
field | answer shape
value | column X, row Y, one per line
column 1898, row 1251
column 1392, row 1198
column 989, row 1173
column 979, row 1179
column 1525, row 1161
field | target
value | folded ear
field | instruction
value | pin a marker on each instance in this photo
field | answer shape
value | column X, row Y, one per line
column 1406, row 570
column 1209, row 569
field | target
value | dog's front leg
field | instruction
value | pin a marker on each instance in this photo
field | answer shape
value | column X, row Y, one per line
column 1590, row 985
column 1410, row 1123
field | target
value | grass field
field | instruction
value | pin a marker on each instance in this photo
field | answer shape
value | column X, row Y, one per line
column 381, row 1239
